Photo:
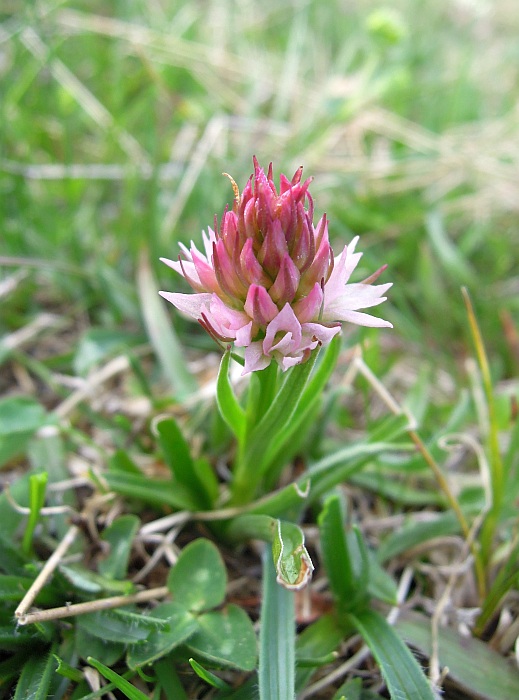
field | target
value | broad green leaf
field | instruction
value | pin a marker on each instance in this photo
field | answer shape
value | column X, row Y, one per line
column 178, row 458
column 225, row 638
column 180, row 625
column 472, row 664
column 20, row 418
column 120, row 625
column 291, row 559
column 228, row 405
column 403, row 676
column 128, row 690
column 392, row 487
column 119, row 535
column 161, row 333
column 276, row 673
column 208, row 677
column 36, row 678
column 85, row 644
column 198, row 579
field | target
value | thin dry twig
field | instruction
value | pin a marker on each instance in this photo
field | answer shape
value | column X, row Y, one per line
column 45, row 573
column 92, row 606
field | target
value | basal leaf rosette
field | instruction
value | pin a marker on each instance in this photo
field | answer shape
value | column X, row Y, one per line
column 267, row 280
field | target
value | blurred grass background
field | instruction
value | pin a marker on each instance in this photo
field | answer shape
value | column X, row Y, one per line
column 118, row 118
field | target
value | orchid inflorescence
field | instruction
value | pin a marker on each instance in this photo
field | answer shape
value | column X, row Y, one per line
column 268, row 280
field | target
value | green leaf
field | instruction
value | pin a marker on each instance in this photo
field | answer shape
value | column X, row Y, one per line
column 208, row 677
column 156, row 493
column 120, row 625
column 36, row 677
column 67, row 671
column 317, row 642
column 414, row 533
column 87, row 644
column 161, row 333
column 119, row 535
column 402, row 674
column 20, row 418
column 169, row 680
column 12, row 561
column 291, row 559
column 129, row 690
column 225, row 638
column 343, row 558
column 472, row 664
column 91, row 582
column 178, row 458
column 181, row 625
column 98, row 344
column 15, row 587
column 228, row 405
column 277, row 637
column 198, row 579
column 37, row 489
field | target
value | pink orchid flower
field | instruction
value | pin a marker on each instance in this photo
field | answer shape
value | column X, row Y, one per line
column 267, row 278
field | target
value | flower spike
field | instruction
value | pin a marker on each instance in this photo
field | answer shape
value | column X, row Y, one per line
column 268, row 281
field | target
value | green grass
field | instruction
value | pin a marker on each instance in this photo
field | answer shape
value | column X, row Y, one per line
column 116, row 122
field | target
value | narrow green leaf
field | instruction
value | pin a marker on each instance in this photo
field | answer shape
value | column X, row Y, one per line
column 67, row 671
column 37, row 490
column 402, row 674
column 472, row 664
column 228, row 404
column 129, row 690
column 15, row 587
column 208, row 677
column 346, row 576
column 119, row 535
column 36, row 677
column 156, row 493
column 178, row 458
column 169, row 680
column 198, row 579
column 161, row 332
column 277, row 637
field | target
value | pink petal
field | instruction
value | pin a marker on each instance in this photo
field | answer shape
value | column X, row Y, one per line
column 190, row 304
column 324, row 334
column 259, row 305
column 254, row 358
column 308, row 308
column 361, row 319
column 286, row 321
column 286, row 282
